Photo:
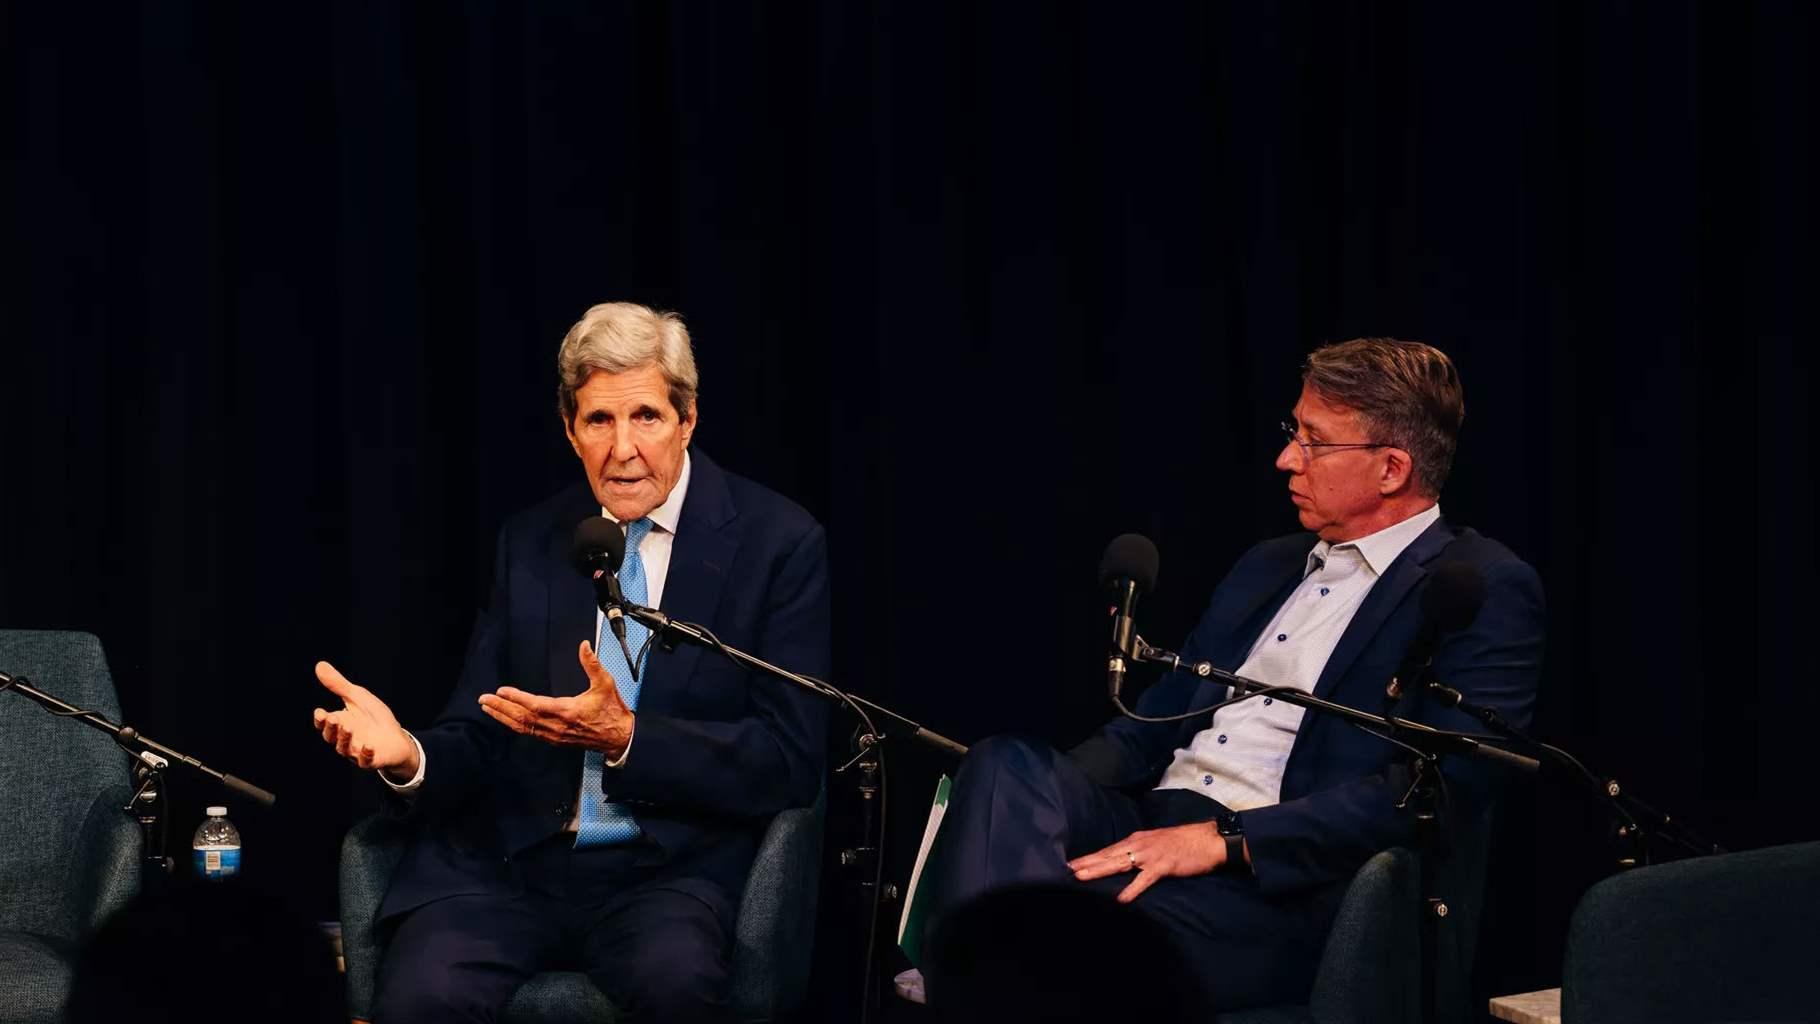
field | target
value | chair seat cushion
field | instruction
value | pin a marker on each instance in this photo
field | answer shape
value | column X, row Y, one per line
column 35, row 976
column 559, row 997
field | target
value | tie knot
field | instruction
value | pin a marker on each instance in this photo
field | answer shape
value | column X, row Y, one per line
column 635, row 532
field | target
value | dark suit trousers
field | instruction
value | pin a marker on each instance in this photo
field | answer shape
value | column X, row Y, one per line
column 1019, row 810
column 658, row 952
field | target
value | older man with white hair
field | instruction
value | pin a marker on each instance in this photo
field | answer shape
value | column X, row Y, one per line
column 567, row 812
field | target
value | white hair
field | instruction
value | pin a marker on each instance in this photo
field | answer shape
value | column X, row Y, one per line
column 615, row 337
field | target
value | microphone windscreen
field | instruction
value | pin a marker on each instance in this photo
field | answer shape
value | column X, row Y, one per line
column 1452, row 598
column 1130, row 556
column 599, row 544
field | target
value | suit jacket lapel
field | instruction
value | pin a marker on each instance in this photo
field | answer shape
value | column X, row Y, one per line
column 1385, row 598
column 702, row 555
column 1276, row 583
column 571, row 595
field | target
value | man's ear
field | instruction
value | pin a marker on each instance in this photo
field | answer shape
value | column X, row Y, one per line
column 1399, row 472
column 688, row 422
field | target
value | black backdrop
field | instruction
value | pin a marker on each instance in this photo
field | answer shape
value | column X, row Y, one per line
column 981, row 285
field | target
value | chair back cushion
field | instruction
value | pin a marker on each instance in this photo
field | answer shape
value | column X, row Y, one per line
column 1729, row 937
column 62, row 864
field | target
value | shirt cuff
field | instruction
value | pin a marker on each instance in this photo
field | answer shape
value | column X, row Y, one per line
column 407, row 788
column 620, row 761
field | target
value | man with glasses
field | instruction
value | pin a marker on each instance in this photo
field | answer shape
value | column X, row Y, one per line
column 1239, row 832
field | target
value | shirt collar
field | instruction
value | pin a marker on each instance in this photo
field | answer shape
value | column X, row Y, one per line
column 1381, row 548
column 665, row 517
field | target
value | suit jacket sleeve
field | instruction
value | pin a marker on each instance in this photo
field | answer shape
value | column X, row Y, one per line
column 771, row 758
column 1326, row 835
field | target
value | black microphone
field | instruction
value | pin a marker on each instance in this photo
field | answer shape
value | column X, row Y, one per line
column 1450, row 601
column 1128, row 568
column 598, row 550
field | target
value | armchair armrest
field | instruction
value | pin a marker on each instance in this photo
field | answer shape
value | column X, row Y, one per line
column 369, row 855
column 106, row 863
column 776, row 926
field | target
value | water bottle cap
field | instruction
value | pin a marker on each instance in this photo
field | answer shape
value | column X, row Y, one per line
column 217, row 812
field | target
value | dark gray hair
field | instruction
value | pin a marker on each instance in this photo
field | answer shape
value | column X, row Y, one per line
column 1407, row 395
column 615, row 337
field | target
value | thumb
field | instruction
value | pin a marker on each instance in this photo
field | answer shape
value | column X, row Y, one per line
column 598, row 676
column 336, row 683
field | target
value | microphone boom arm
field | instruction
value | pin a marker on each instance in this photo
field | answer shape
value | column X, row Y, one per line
column 1427, row 739
column 663, row 626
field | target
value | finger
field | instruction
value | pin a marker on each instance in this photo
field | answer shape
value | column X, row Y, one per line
column 1145, row 879
column 318, row 716
column 344, row 745
column 1115, row 852
column 531, row 701
column 363, row 756
column 1098, row 866
column 331, row 731
column 598, row 676
column 518, row 722
column 506, row 713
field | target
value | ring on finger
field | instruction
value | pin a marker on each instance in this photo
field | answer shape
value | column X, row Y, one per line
column 1132, row 857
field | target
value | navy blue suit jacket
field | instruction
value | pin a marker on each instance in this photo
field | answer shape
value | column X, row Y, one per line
column 1340, row 786
column 717, row 750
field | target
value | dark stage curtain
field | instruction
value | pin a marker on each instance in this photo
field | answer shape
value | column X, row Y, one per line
column 982, row 285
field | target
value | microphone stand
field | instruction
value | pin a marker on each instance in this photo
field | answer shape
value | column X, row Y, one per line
column 150, row 759
column 1425, row 743
column 868, row 742
column 1626, row 808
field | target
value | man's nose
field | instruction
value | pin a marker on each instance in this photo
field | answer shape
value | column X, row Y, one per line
column 625, row 449
column 1290, row 459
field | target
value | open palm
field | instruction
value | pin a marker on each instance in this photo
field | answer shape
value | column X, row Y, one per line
column 364, row 731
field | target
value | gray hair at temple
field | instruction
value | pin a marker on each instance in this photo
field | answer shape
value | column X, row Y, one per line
column 1407, row 395
column 615, row 337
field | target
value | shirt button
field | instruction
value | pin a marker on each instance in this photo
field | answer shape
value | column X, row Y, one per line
column 1206, row 780
column 1267, row 701
column 1323, row 591
column 1222, row 737
column 1282, row 637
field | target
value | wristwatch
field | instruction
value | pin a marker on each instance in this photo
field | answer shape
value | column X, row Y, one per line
column 1232, row 829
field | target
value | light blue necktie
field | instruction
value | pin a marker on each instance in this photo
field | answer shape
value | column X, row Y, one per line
column 603, row 822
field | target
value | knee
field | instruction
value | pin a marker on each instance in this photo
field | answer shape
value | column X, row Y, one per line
column 676, row 988
column 996, row 755
column 409, row 1003
column 422, row 981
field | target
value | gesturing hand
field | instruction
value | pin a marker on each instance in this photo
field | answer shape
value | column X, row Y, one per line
column 597, row 719
column 364, row 731
column 1180, row 851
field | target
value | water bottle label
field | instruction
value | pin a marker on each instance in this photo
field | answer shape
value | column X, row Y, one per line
column 218, row 863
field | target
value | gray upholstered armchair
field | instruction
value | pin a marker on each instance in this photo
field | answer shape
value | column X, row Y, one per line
column 772, row 940
column 1731, row 937
column 69, row 855
column 1371, row 967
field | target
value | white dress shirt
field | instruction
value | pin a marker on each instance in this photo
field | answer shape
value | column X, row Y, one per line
column 1239, row 758
column 654, row 551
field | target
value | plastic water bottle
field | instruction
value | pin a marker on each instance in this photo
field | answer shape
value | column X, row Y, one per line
column 217, row 846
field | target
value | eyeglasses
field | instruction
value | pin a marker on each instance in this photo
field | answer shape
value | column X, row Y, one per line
column 1289, row 431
